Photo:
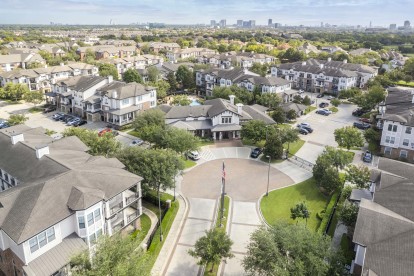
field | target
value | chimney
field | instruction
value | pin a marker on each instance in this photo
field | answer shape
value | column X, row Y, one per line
column 114, row 94
column 42, row 150
column 412, row 93
column 321, row 65
column 345, row 61
column 239, row 108
column 232, row 99
column 110, row 78
column 303, row 63
column 16, row 138
column 62, row 64
column 329, row 59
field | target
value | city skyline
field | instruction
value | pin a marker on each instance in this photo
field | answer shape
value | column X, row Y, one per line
column 296, row 12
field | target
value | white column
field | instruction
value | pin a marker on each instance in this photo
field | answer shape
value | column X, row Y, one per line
column 220, row 135
column 202, row 133
column 234, row 134
column 214, row 135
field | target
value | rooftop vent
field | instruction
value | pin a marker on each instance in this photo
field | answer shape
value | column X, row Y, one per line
column 41, row 151
column 17, row 137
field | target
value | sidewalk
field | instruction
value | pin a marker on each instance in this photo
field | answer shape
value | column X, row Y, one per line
column 154, row 221
column 171, row 239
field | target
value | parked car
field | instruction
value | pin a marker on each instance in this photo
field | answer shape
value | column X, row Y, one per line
column 327, row 110
column 70, row 118
column 193, row 155
column 361, row 125
column 49, row 109
column 103, row 131
column 136, row 142
column 303, row 131
column 58, row 115
column 73, row 121
column 319, row 96
column 300, row 91
column 322, row 112
column 308, row 128
column 367, row 157
column 330, row 98
column 323, row 105
column 80, row 123
column 365, row 120
column 3, row 124
column 256, row 152
column 304, row 124
column 358, row 112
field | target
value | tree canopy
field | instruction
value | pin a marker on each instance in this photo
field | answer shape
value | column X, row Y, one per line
column 348, row 137
column 17, row 119
column 34, row 97
column 107, row 69
column 132, row 75
column 254, row 130
column 358, row 175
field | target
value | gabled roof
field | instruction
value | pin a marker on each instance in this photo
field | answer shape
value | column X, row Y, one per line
column 82, row 83
column 124, row 90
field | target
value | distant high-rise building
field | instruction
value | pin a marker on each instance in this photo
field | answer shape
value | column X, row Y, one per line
column 239, row 23
column 223, row 23
column 393, row 26
column 212, row 23
column 252, row 23
column 269, row 22
column 407, row 24
column 321, row 24
column 278, row 25
column 370, row 24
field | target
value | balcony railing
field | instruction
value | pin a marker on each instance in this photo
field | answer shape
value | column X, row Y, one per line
column 132, row 217
column 115, row 208
column 132, row 198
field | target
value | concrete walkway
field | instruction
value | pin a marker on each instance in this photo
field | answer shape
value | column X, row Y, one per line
column 339, row 231
column 154, row 221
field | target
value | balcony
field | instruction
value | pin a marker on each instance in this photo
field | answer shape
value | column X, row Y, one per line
column 114, row 208
column 130, row 196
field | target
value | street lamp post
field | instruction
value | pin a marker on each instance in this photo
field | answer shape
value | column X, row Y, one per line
column 268, row 174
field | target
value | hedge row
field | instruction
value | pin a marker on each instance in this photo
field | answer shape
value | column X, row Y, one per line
column 328, row 213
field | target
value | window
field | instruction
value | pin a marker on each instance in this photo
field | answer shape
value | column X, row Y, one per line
column 403, row 154
column 98, row 233
column 394, row 128
column 81, row 221
column 139, row 98
column 387, row 151
column 387, row 139
column 50, row 233
column 42, row 239
column 92, row 238
column 390, row 127
column 408, row 130
column 97, row 214
column 125, row 101
column 33, row 244
column 90, row 219
column 392, row 141
column 406, row 142
column 226, row 120
column 152, row 94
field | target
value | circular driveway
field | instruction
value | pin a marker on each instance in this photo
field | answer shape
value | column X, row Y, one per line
column 246, row 180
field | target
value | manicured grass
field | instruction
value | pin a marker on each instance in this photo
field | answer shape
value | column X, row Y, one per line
column 166, row 223
column 188, row 163
column 310, row 109
column 284, row 126
column 404, row 83
column 346, row 246
column 223, row 228
column 334, row 222
column 133, row 133
column 205, row 142
column 277, row 205
column 294, row 147
column 333, row 109
column 35, row 110
column 145, row 227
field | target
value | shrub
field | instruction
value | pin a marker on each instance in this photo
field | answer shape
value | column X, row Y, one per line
column 328, row 212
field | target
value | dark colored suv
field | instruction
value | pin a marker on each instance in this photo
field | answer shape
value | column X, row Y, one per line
column 256, row 152
column 361, row 125
column 358, row 112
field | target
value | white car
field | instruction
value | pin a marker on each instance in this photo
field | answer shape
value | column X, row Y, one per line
column 301, row 91
column 303, row 125
column 327, row 110
column 193, row 155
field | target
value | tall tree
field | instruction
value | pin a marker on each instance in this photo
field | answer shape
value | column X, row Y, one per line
column 172, row 81
column 185, row 77
column 278, row 115
column 270, row 100
column 254, row 130
column 358, row 175
column 212, row 248
column 370, row 99
column 348, row 137
column 348, row 214
column 34, row 97
column 162, row 88
column 153, row 74
column 14, row 91
column 300, row 211
column 274, row 144
column 289, row 135
column 182, row 100
column 339, row 158
column 179, row 140
column 287, row 249
column 107, row 69
column 150, row 125
column 132, row 75
column 116, row 255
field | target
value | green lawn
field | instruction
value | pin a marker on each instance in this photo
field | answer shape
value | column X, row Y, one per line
column 35, row 109
column 188, row 163
column 347, row 249
column 133, row 133
column 277, row 205
column 333, row 109
column 310, row 109
column 403, row 83
column 145, row 227
column 205, row 142
column 294, row 147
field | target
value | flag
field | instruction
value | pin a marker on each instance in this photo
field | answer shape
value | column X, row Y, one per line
column 224, row 172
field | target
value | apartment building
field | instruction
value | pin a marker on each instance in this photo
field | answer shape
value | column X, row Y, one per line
column 324, row 76
column 19, row 60
column 207, row 80
column 384, row 228
column 156, row 47
column 108, row 51
column 44, row 78
column 62, row 200
column 121, row 102
column 397, row 123
column 187, row 53
column 231, row 59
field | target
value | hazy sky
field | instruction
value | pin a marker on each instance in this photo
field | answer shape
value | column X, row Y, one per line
column 294, row 12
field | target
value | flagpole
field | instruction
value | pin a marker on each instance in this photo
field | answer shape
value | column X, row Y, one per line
column 223, row 191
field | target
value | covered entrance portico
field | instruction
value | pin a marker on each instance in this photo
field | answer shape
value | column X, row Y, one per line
column 226, row 131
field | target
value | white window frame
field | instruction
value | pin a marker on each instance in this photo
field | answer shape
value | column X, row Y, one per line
column 389, row 150
column 405, row 154
column 125, row 101
column 406, row 142
column 408, row 130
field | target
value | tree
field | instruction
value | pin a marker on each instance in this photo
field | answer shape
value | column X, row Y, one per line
column 369, row 100
column 289, row 135
column 14, row 91
column 300, row 211
column 274, row 145
column 17, row 119
column 331, row 181
column 373, row 137
column 358, row 175
column 338, row 158
column 278, row 115
column 348, row 137
column 270, row 100
column 409, row 67
column 182, row 100
column 260, row 69
column 172, row 81
column 348, row 214
column 115, row 255
column 162, row 88
column 254, row 130
column 291, row 115
column 179, row 140
column 34, row 65
column 335, row 102
column 306, row 100
column 153, row 74
column 350, row 93
column 132, row 75
column 212, row 248
column 106, row 145
column 107, row 69
column 150, row 125
column 185, row 77
column 34, row 97
column 287, row 249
